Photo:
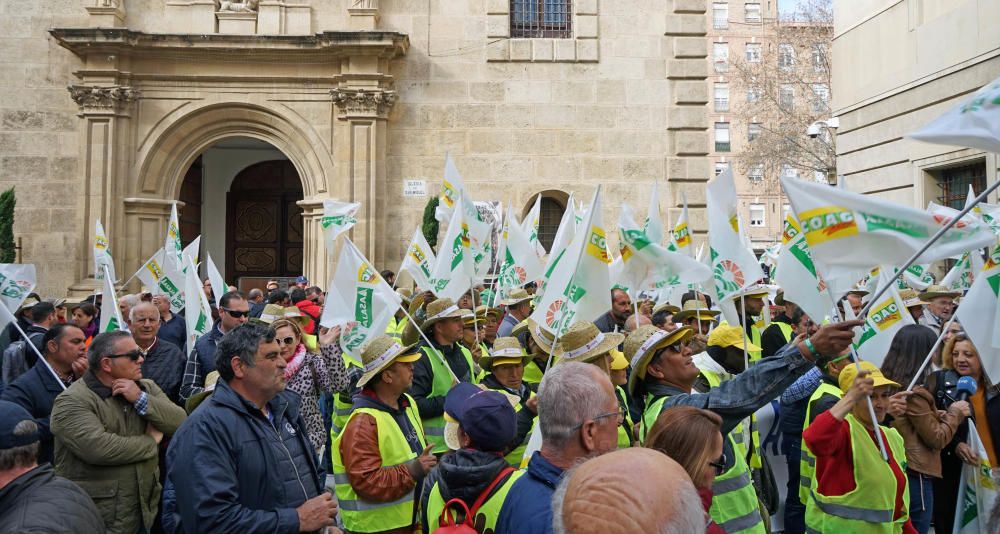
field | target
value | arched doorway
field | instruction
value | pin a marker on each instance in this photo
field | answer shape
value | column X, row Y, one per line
column 552, row 206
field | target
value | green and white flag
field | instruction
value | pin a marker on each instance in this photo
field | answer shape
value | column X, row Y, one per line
column 797, row 275
column 884, row 319
column 451, row 189
column 564, row 236
column 579, row 288
column 102, row 253
column 653, row 225
column 17, row 280
column 734, row 266
column 849, row 231
column 219, row 285
column 918, row 277
column 977, row 491
column 419, row 260
column 979, row 315
column 520, row 261
column 172, row 248
column 680, row 236
column 359, row 301
column 529, row 225
column 338, row 217
column 963, row 274
column 190, row 252
column 162, row 279
column 974, row 123
column 111, row 316
column 645, row 261
column 197, row 312
column 454, row 268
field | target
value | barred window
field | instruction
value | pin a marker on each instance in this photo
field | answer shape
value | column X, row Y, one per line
column 720, row 15
column 721, row 97
column 752, row 15
column 722, row 137
column 786, row 98
column 786, row 56
column 756, row 173
column 753, row 52
column 541, row 18
column 955, row 182
column 549, row 216
column 720, row 56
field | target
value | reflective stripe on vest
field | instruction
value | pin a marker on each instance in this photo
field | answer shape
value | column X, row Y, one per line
column 341, row 407
column 440, row 385
column 737, row 434
column 807, row 461
column 358, row 514
column 735, row 507
column 624, row 439
column 490, row 510
column 870, row 506
column 754, row 355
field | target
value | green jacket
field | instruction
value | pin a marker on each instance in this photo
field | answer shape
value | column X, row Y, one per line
column 101, row 444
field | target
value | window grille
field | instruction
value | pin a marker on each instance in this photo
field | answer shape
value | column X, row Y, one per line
column 786, row 56
column 756, row 173
column 720, row 15
column 753, row 51
column 722, row 143
column 955, row 182
column 549, row 216
column 752, row 15
column 722, row 97
column 541, row 18
column 786, row 98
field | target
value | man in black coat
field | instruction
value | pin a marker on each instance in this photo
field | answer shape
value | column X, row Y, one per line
column 65, row 349
column 163, row 362
column 32, row 497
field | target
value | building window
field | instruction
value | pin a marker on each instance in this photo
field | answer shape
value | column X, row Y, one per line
column 752, row 13
column 720, row 167
column 821, row 98
column 819, row 176
column 757, row 215
column 753, row 94
column 541, row 18
column 955, row 182
column 753, row 131
column 720, row 15
column 721, row 97
column 753, row 52
column 720, row 56
column 722, row 143
column 549, row 216
column 756, row 173
column 787, row 171
column 819, row 57
column 786, row 56
column 786, row 98
column 786, row 211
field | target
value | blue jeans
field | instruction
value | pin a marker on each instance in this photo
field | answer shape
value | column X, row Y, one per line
column 921, row 501
column 795, row 511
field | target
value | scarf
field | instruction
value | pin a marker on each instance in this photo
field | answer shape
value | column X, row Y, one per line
column 295, row 363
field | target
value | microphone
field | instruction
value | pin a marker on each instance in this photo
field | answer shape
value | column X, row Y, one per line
column 966, row 388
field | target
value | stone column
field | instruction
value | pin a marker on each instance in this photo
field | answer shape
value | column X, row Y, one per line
column 316, row 260
column 360, row 148
column 145, row 231
column 106, row 112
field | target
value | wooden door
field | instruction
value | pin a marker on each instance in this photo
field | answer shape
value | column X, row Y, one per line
column 263, row 222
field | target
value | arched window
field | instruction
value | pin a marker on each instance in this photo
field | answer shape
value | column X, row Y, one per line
column 551, row 214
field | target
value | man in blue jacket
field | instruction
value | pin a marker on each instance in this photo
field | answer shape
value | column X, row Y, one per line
column 242, row 462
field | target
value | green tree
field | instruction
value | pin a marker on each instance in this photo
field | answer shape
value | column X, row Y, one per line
column 7, row 201
column 430, row 224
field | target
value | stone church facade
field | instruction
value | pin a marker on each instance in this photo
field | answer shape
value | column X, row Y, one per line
column 252, row 112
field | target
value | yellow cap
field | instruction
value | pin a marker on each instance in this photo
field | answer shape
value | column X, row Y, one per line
column 730, row 336
column 619, row 362
column 847, row 376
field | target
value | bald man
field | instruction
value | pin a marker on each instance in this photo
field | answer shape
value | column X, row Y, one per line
column 630, row 323
column 623, row 492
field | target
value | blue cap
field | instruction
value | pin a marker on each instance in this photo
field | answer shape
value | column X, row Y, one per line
column 486, row 416
column 10, row 416
column 301, row 280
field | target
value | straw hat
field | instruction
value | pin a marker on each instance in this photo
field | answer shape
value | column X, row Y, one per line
column 485, row 311
column 505, row 351
column 440, row 310
column 405, row 295
column 910, row 298
column 543, row 338
column 936, row 291
column 27, row 303
column 583, row 342
column 381, row 352
column 751, row 291
column 516, row 297
column 643, row 343
column 696, row 307
column 667, row 307
column 273, row 312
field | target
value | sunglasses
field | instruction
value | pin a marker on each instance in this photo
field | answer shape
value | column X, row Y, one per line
column 719, row 465
column 133, row 355
column 285, row 340
column 236, row 314
column 597, row 418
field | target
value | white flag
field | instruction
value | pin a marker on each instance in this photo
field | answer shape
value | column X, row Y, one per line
column 17, row 280
column 172, row 244
column 219, row 286
column 358, row 300
column 454, row 268
column 102, row 253
column 451, row 188
column 111, row 316
column 918, row 277
column 977, row 491
column 884, row 319
column 190, row 252
column 579, row 289
column 849, row 231
column 530, row 225
column 964, row 273
column 338, row 217
column 419, row 260
column 653, row 226
column 197, row 313
column 978, row 314
column 974, row 123
column 734, row 266
column 796, row 274
column 680, row 237
column 520, row 261
column 564, row 235
column 645, row 260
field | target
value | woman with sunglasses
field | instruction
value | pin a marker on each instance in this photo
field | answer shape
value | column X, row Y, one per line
column 693, row 438
column 310, row 374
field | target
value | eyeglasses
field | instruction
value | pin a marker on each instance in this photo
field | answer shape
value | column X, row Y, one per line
column 597, row 418
column 133, row 355
column 719, row 465
column 285, row 340
column 236, row 314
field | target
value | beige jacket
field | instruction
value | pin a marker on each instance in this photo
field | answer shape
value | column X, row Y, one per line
column 924, row 432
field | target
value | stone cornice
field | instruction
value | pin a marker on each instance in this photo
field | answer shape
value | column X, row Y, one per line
column 362, row 102
column 332, row 45
column 112, row 98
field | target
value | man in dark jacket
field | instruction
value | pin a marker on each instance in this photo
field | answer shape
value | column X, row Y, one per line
column 35, row 391
column 614, row 319
column 162, row 362
column 42, row 317
column 233, row 311
column 173, row 329
column 243, row 462
column 32, row 497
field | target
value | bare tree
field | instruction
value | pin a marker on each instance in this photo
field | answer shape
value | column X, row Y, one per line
column 787, row 83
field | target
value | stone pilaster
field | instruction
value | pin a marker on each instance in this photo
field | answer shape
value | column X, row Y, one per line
column 363, row 15
column 105, row 13
column 317, row 263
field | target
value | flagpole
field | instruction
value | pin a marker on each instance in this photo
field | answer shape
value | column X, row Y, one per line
column 41, row 358
column 431, row 345
column 969, row 207
column 743, row 317
column 635, row 307
column 930, row 355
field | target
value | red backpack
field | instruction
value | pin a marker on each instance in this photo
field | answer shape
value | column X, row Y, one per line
column 446, row 523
